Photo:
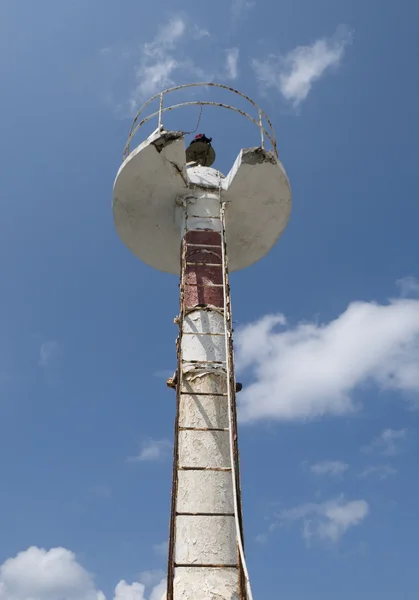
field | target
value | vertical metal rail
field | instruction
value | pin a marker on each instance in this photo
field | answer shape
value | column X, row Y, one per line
column 172, row 526
column 262, row 135
column 161, row 112
column 245, row 588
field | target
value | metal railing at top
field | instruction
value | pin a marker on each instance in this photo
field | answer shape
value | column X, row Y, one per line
column 261, row 121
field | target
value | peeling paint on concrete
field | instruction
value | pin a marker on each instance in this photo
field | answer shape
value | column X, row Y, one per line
column 205, row 492
column 208, row 540
column 204, row 449
column 206, row 584
column 203, row 348
column 166, row 138
column 203, row 411
column 146, row 213
column 257, row 156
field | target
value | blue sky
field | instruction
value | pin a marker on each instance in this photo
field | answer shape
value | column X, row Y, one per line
column 327, row 324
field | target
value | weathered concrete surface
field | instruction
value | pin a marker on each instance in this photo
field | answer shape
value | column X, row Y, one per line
column 203, row 524
column 204, row 449
column 204, row 383
column 203, row 321
column 206, row 584
column 153, row 178
column 204, row 348
column 209, row 540
column 203, row 412
column 205, row 492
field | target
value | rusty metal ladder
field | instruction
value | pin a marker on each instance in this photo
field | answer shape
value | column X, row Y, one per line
column 232, row 410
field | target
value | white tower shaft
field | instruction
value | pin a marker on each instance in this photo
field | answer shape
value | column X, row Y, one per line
column 205, row 533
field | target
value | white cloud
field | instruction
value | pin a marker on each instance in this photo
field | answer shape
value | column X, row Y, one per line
column 293, row 75
column 152, row 450
column 198, row 33
column 179, row 52
column 166, row 39
column 154, row 73
column 159, row 592
column 327, row 521
column 161, row 59
column 387, row 443
column 48, row 353
column 153, row 78
column 329, row 467
column 311, row 369
column 38, row 574
column 409, row 286
column 240, row 7
column 134, row 591
column 232, row 62
column 380, row 471
column 151, row 578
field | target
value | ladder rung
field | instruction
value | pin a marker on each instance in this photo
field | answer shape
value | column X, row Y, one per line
column 226, row 469
column 206, row 566
column 189, row 245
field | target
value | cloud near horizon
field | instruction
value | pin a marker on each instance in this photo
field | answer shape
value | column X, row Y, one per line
column 311, row 370
column 39, row 574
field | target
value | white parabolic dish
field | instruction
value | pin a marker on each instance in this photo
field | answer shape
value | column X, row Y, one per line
column 154, row 176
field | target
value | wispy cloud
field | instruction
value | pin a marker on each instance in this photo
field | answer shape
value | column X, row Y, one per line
column 152, row 450
column 327, row 521
column 48, row 353
column 380, row 471
column 409, row 286
column 388, row 443
column 232, row 63
column 311, row 369
column 132, row 74
column 332, row 468
column 198, row 33
column 240, row 7
column 294, row 74
column 167, row 38
column 158, row 63
column 161, row 548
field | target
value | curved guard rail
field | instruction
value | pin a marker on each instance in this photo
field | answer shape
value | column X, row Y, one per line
column 261, row 120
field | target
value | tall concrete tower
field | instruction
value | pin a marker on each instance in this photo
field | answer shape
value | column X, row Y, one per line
column 180, row 215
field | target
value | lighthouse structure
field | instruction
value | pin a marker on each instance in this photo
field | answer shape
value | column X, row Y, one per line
column 180, row 215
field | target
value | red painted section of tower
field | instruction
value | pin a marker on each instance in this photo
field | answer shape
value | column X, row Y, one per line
column 203, row 278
